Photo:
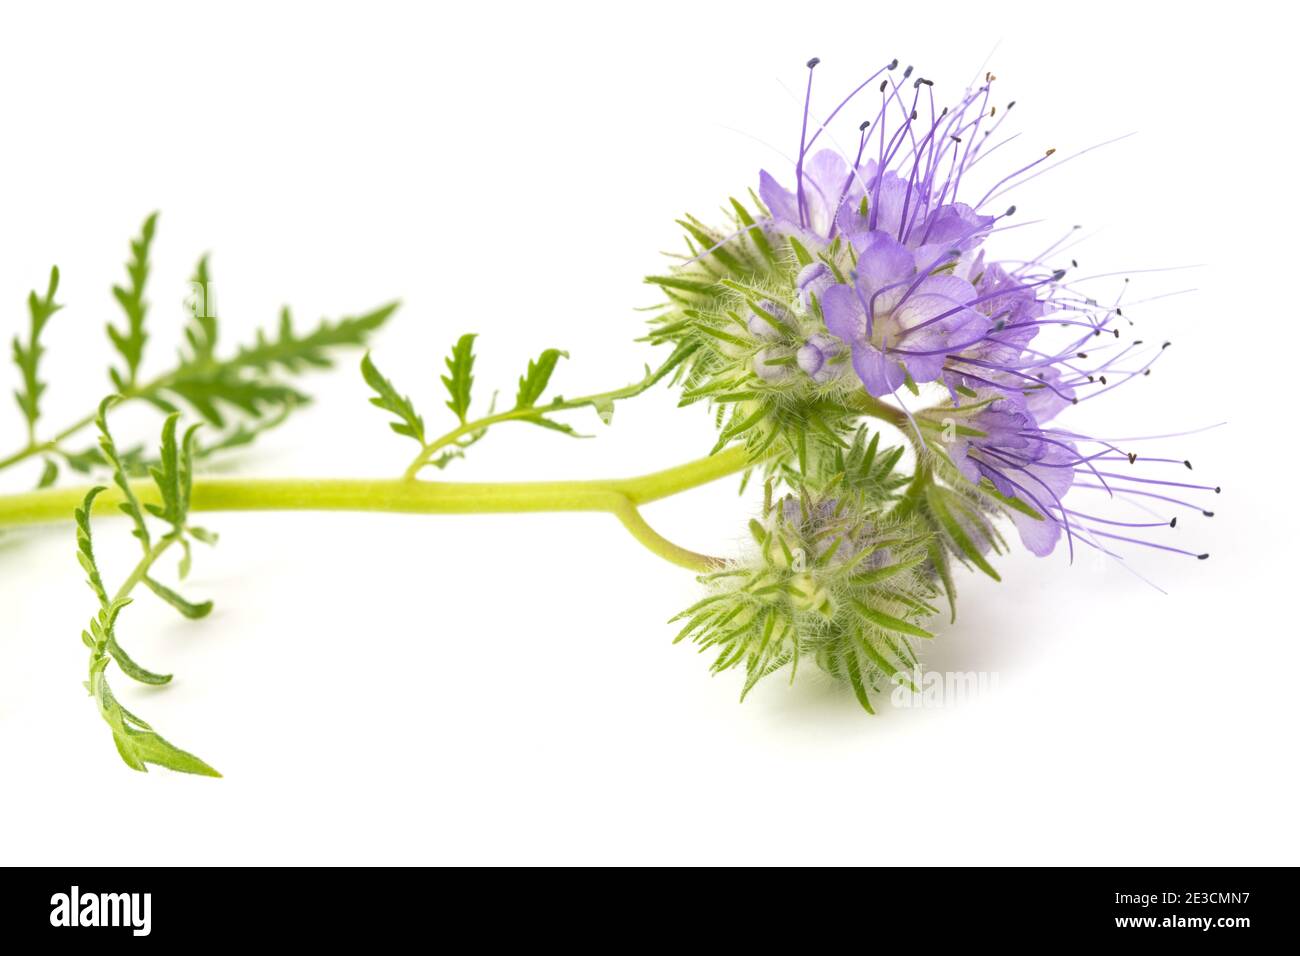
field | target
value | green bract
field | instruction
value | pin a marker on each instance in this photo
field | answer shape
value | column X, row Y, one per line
column 827, row 582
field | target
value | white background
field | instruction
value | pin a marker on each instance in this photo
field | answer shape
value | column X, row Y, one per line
column 385, row 689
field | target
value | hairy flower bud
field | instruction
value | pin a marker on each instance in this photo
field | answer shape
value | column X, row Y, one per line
column 830, row 581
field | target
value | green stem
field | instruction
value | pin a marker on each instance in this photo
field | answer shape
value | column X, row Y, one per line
column 142, row 569
column 620, row 497
column 600, row 401
column 875, row 408
column 34, row 448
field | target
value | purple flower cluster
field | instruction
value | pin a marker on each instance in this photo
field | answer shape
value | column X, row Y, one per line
column 1010, row 343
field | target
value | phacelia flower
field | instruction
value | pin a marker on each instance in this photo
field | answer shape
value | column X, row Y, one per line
column 898, row 321
column 1011, row 452
column 922, row 300
column 870, row 286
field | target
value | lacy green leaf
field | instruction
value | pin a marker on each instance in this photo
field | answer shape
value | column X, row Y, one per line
column 129, row 340
column 27, row 355
column 460, row 380
column 390, row 400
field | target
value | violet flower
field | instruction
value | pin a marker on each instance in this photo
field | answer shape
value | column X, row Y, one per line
column 926, row 302
column 897, row 321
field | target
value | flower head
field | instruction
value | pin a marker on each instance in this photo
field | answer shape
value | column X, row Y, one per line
column 869, row 284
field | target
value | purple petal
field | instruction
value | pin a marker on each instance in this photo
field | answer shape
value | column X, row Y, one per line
column 779, row 200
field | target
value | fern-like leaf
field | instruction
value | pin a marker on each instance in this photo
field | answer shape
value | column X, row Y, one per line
column 460, row 380
column 129, row 340
column 390, row 400
column 27, row 355
column 533, row 383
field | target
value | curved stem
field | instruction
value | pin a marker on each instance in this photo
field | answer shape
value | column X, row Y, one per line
column 617, row 496
column 603, row 402
column 146, row 563
column 652, row 539
column 35, row 448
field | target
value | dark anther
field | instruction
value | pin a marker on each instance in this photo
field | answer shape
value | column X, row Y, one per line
column 1173, row 522
column 1011, row 104
column 1075, row 263
column 1074, row 401
column 1051, row 151
column 1119, row 311
column 914, row 115
column 1138, row 342
column 865, row 124
column 1217, row 489
column 894, row 64
column 813, row 62
column 1166, row 345
column 956, row 138
column 1132, row 456
column 1188, row 464
column 1146, row 373
column 1115, row 332
column 907, row 72
column 1011, row 211
column 1091, row 379
column 1201, row 557
column 1082, row 355
column 924, row 82
column 1103, row 380
column 883, row 84
column 1058, row 275
column 1208, row 514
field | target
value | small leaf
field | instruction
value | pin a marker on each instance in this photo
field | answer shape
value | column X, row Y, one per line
column 174, row 474
column 754, row 232
column 188, row 609
column 244, row 382
column 855, row 679
column 713, row 245
column 137, row 743
column 934, row 496
column 533, row 383
column 888, row 621
column 293, row 351
column 187, row 560
column 390, row 400
column 129, row 340
column 27, row 356
column 85, row 548
column 561, row 427
column 225, row 385
column 461, row 380
column 130, row 668
column 202, row 331
column 943, row 567
column 683, row 285
column 130, row 504
column 202, row 534
column 147, row 747
column 49, row 474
